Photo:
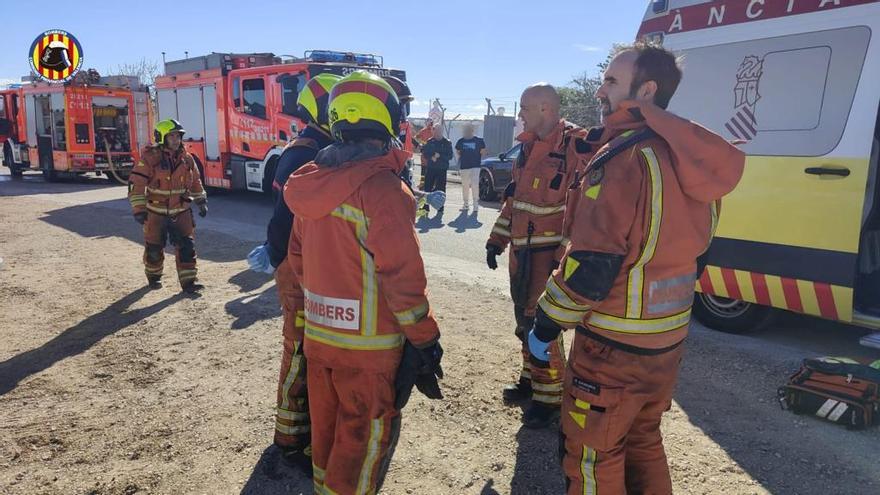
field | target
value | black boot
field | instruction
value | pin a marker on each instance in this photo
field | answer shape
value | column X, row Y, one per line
column 192, row 288
column 154, row 282
column 297, row 459
column 540, row 415
column 518, row 392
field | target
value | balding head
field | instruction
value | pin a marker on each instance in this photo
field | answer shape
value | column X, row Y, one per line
column 539, row 108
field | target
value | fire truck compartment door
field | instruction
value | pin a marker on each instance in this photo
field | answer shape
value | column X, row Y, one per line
column 254, row 175
column 30, row 102
column 167, row 102
column 212, row 130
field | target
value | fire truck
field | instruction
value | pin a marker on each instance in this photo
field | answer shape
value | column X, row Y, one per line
column 91, row 124
column 239, row 110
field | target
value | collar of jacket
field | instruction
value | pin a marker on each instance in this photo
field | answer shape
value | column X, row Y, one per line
column 338, row 154
column 555, row 136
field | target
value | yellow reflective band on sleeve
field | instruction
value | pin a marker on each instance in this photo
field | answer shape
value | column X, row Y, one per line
column 413, row 315
column 561, row 298
column 639, row 326
column 503, row 222
column 536, row 209
column 636, row 279
column 563, row 316
column 501, row 231
column 352, row 341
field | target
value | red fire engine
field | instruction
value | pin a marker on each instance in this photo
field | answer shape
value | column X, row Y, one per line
column 239, row 110
column 91, row 124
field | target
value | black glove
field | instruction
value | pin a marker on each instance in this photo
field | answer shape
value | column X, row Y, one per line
column 419, row 368
column 203, row 209
column 492, row 252
column 140, row 217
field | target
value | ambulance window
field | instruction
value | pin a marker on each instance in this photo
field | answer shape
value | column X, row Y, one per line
column 290, row 88
column 254, row 91
column 236, row 93
column 2, row 106
column 785, row 96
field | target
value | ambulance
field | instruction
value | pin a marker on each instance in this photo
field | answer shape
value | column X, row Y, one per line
column 239, row 110
column 798, row 82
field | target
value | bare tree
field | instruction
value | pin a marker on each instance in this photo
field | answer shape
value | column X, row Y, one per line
column 579, row 104
column 145, row 70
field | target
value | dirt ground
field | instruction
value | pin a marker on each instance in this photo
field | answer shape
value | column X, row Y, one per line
column 108, row 388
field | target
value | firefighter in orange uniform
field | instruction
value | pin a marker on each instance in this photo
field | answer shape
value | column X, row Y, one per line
column 161, row 187
column 370, row 335
column 292, row 430
column 644, row 213
column 531, row 220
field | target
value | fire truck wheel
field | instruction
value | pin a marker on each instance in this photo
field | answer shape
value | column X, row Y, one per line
column 269, row 176
column 731, row 315
column 50, row 175
column 14, row 170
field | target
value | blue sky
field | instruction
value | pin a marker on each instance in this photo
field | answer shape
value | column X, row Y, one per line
column 455, row 50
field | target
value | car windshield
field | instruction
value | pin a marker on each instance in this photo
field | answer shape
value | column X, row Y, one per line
column 512, row 153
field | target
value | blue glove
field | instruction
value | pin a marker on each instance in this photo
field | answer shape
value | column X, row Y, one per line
column 436, row 199
column 258, row 260
column 538, row 349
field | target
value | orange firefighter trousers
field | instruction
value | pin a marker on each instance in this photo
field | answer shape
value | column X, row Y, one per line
column 292, row 407
column 546, row 382
column 610, row 422
column 355, row 428
column 180, row 230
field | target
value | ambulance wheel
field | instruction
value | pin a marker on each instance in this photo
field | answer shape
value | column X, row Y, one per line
column 731, row 315
column 487, row 188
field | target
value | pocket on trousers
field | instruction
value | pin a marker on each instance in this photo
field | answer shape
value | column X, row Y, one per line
column 590, row 413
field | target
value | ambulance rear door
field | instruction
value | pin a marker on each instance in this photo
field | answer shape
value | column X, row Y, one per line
column 802, row 94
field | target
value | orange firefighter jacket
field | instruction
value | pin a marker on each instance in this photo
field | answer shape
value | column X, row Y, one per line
column 533, row 213
column 165, row 183
column 356, row 254
column 637, row 225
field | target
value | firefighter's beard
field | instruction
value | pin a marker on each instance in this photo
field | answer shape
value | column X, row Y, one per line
column 605, row 106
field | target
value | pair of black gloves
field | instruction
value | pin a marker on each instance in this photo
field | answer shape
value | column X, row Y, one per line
column 419, row 368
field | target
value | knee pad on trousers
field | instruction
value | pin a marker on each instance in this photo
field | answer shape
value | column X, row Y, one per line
column 154, row 253
column 187, row 250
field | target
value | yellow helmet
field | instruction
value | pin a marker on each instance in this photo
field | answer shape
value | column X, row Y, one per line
column 363, row 105
column 312, row 101
column 164, row 127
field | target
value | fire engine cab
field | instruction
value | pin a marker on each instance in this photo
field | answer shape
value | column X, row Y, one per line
column 91, row 124
column 239, row 110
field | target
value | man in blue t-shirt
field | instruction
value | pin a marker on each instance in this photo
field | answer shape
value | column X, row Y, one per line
column 470, row 150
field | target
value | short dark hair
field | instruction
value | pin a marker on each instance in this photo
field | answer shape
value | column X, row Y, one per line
column 655, row 63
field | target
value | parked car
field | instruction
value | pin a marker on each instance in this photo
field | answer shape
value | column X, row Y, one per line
column 495, row 173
